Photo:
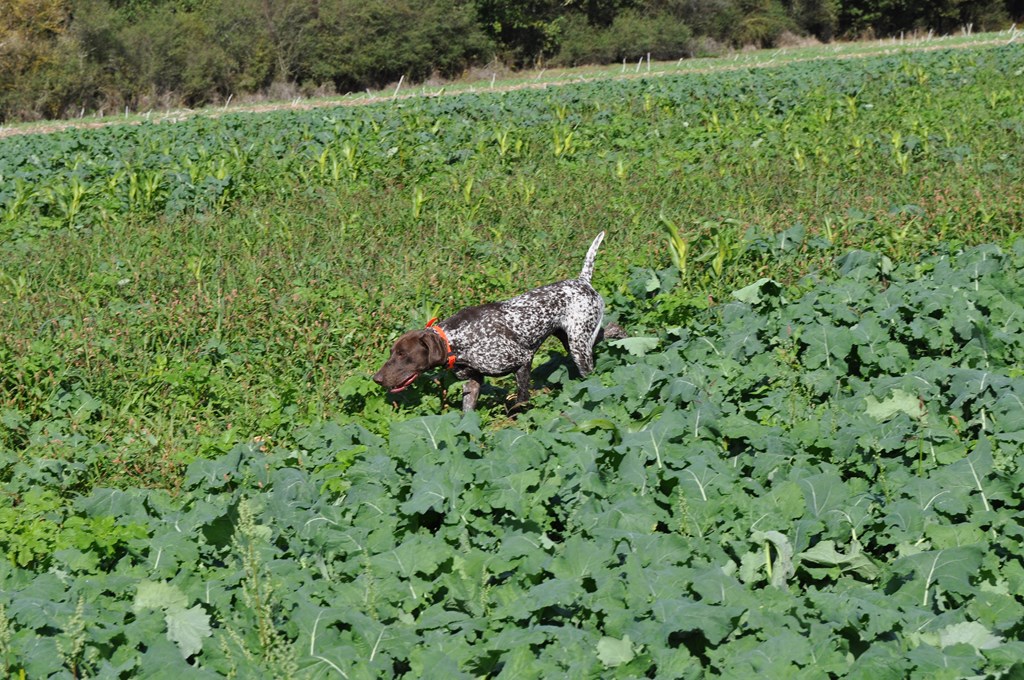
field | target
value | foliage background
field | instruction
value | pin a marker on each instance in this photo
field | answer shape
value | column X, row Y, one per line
column 62, row 58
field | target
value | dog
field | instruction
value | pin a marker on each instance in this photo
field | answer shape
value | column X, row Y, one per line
column 501, row 337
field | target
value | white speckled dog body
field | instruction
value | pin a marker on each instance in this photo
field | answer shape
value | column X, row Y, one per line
column 500, row 338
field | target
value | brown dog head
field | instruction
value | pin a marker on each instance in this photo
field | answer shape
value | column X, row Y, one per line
column 413, row 353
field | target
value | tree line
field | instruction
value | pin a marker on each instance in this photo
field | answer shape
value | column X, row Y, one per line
column 61, row 58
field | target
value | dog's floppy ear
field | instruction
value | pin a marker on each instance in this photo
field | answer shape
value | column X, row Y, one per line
column 437, row 353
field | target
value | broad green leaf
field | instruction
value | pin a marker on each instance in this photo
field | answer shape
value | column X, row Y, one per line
column 957, row 661
column 647, row 583
column 426, row 439
column 579, row 557
column 442, row 654
column 1009, row 410
column 614, row 652
column 716, row 622
column 951, row 568
column 159, row 595
column 971, row 633
column 854, row 561
column 1007, row 656
column 759, row 290
column 164, row 658
column 881, row 661
column 416, row 554
column 520, row 662
column 853, row 604
column 995, row 608
column 824, row 493
column 780, row 559
column 653, row 442
column 716, row 585
column 675, row 662
column 640, row 382
column 638, row 346
column 777, row 657
column 432, row 489
column 126, row 505
column 187, row 628
column 860, row 264
column 899, row 402
column 513, row 492
column 549, row 593
column 967, row 478
column 826, row 345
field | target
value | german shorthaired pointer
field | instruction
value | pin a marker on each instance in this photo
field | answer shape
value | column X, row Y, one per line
column 501, row 337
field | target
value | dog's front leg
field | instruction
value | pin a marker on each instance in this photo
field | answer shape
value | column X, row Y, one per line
column 471, row 391
column 523, row 384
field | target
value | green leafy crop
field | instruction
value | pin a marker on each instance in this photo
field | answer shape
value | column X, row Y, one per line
column 800, row 482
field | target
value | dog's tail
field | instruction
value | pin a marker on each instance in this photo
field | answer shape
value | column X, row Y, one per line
column 588, row 264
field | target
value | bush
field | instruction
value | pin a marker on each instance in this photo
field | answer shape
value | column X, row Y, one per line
column 34, row 52
column 631, row 36
column 764, row 28
column 178, row 52
column 370, row 43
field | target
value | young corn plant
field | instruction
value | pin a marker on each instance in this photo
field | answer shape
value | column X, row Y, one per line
column 526, row 189
column 325, row 163
column 832, row 229
column 621, row 170
column 471, row 204
column 711, row 122
column 799, row 159
column 900, row 154
column 852, row 108
column 563, row 141
column 502, row 139
column 145, row 189
column 67, row 198
column 724, row 249
column 678, row 247
column 722, row 254
column 419, row 198
column 15, row 286
column 350, row 159
column 17, row 203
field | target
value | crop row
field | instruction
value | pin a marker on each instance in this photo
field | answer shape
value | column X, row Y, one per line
column 831, row 118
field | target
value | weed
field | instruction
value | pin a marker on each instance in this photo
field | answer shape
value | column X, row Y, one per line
column 275, row 652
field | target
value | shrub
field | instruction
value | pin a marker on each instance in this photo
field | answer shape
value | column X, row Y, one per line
column 370, row 44
column 763, row 28
column 632, row 35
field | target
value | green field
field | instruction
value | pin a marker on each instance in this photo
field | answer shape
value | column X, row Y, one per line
column 803, row 463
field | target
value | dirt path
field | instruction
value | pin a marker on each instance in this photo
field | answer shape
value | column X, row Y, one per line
column 555, row 78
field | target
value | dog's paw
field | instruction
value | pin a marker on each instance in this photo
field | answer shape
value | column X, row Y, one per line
column 614, row 331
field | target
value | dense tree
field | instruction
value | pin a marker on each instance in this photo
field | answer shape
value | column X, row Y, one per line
column 369, row 43
column 33, row 50
column 888, row 17
column 819, row 18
